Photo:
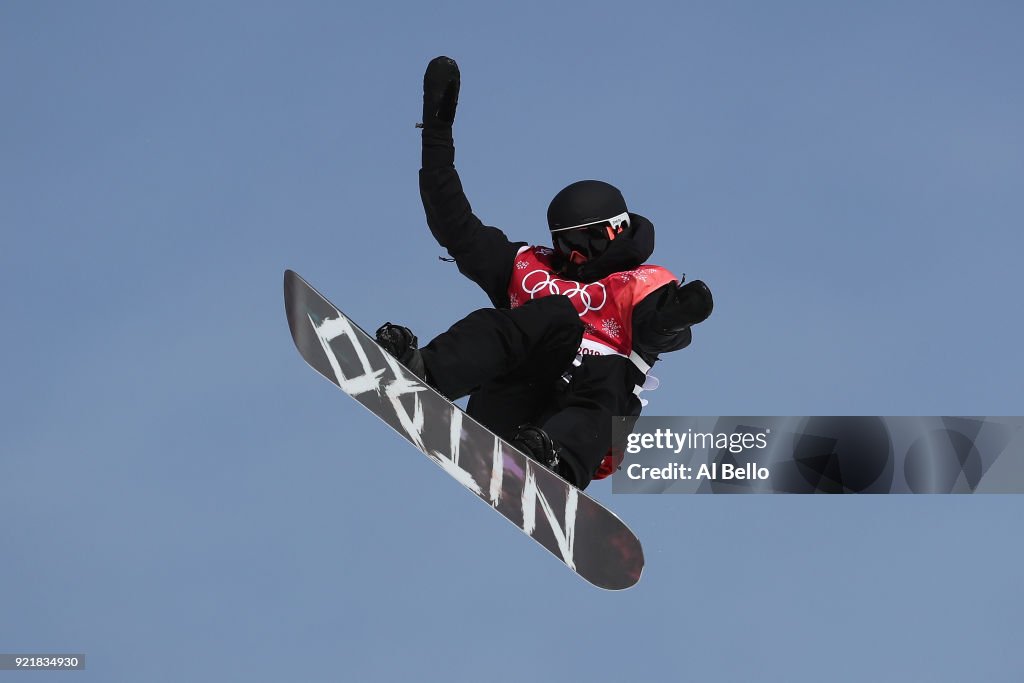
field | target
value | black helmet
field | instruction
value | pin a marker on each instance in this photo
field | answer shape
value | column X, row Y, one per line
column 585, row 217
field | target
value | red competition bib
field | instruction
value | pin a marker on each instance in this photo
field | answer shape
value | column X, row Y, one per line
column 605, row 306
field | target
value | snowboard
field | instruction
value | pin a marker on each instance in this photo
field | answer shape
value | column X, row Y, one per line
column 576, row 529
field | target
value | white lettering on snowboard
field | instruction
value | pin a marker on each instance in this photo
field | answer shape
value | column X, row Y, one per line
column 450, row 463
column 565, row 537
column 497, row 471
column 329, row 330
column 412, row 424
column 400, row 386
column 370, row 379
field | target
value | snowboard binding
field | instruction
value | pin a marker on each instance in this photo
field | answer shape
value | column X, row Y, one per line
column 535, row 442
column 401, row 343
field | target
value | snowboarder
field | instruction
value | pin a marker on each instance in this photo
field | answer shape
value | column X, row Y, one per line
column 574, row 329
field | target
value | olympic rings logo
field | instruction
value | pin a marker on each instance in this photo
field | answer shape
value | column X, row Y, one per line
column 585, row 294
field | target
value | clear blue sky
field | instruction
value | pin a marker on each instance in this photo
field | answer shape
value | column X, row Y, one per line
column 183, row 499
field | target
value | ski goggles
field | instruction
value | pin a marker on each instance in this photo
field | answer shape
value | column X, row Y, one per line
column 589, row 239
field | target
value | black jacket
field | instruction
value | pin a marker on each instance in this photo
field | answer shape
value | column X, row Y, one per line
column 485, row 254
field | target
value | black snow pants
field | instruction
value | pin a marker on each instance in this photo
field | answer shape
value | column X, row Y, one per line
column 510, row 362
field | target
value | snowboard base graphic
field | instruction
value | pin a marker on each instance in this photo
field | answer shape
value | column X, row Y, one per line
column 576, row 529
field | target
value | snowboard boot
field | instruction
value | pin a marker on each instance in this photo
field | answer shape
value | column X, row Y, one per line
column 535, row 442
column 401, row 343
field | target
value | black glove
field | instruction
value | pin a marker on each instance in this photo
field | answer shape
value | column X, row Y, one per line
column 440, row 93
column 692, row 304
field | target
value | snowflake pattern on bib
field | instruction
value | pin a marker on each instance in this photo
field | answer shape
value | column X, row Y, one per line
column 611, row 327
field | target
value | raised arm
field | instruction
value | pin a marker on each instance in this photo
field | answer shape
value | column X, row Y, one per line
column 483, row 253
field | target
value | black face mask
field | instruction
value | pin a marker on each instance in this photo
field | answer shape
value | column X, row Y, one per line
column 583, row 243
